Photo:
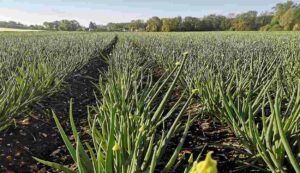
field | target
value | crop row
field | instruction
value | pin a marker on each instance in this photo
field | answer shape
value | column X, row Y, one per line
column 34, row 65
column 249, row 81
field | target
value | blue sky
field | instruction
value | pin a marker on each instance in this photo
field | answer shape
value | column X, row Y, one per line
column 104, row 11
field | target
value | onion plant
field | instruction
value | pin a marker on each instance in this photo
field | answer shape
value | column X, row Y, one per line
column 267, row 128
column 33, row 65
column 129, row 126
column 243, row 78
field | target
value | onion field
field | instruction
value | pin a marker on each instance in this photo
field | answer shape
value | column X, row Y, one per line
column 150, row 102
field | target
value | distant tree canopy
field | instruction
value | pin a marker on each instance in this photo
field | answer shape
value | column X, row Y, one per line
column 284, row 17
column 171, row 24
column 13, row 24
column 154, row 24
column 63, row 25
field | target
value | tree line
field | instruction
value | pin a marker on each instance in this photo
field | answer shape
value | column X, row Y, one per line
column 283, row 17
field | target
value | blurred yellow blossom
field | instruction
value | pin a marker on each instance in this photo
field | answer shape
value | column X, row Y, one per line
column 207, row 166
column 142, row 129
column 195, row 91
column 191, row 159
column 186, row 53
column 116, row 147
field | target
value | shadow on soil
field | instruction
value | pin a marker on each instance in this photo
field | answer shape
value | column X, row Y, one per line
column 37, row 135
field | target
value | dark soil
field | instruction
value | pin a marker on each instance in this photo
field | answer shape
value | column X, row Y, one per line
column 37, row 134
column 207, row 134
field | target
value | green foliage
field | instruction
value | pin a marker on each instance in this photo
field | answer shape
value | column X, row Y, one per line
column 166, row 25
column 63, row 25
column 265, row 28
column 125, row 125
column 266, row 131
column 286, row 16
column 136, row 25
column 296, row 27
column 34, row 66
column 154, row 24
column 249, row 81
column 276, row 27
column 172, row 24
column 240, row 25
column 245, row 21
column 282, row 8
column 290, row 18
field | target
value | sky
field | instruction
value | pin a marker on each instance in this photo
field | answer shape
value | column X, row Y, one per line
column 105, row 11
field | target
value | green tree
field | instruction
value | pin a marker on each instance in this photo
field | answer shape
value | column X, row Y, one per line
column 137, row 25
column 172, row 24
column 177, row 24
column 75, row 26
column 240, row 25
column 245, row 21
column 281, row 8
column 263, row 20
column 69, row 25
column 215, row 23
column 92, row 26
column 275, row 27
column 225, row 23
column 211, row 22
column 55, row 25
column 117, row 26
column 154, row 24
column 190, row 23
column 290, row 18
column 265, row 28
column 48, row 25
column 64, row 25
column 296, row 27
column 166, row 25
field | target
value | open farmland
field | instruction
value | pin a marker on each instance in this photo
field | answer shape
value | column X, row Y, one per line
column 149, row 102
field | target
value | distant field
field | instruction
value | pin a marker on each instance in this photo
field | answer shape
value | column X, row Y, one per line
column 17, row 30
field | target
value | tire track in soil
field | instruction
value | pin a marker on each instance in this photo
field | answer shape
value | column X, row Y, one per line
column 37, row 135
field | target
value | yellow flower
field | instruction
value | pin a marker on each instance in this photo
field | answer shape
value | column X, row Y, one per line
column 186, row 53
column 177, row 63
column 191, row 159
column 130, row 116
column 207, row 166
column 142, row 129
column 116, row 147
column 195, row 91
